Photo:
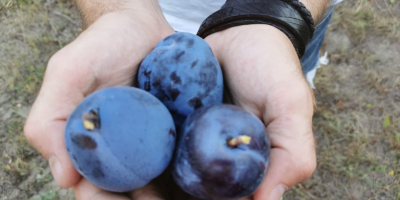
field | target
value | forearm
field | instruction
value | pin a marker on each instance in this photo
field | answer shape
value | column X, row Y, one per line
column 317, row 8
column 91, row 10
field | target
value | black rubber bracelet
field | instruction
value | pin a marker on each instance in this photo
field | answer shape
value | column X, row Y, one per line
column 289, row 16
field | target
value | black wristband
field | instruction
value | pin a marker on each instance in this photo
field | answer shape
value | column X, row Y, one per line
column 289, row 16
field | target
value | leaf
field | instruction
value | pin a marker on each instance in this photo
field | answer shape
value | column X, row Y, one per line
column 396, row 137
column 391, row 173
column 386, row 122
column 392, row 1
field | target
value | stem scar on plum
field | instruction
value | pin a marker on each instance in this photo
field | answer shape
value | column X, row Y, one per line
column 241, row 139
column 91, row 120
column 172, row 132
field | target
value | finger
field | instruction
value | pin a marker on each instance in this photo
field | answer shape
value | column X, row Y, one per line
column 194, row 198
column 67, row 80
column 61, row 92
column 288, row 118
column 188, row 197
column 84, row 190
column 96, row 59
column 148, row 192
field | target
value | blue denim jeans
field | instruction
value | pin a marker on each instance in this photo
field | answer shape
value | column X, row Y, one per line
column 310, row 59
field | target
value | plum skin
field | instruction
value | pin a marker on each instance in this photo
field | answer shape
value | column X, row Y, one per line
column 183, row 73
column 206, row 167
column 132, row 144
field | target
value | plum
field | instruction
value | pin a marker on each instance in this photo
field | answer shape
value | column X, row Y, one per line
column 222, row 153
column 120, row 138
column 183, row 73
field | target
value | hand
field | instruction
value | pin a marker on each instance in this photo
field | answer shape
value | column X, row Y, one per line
column 106, row 54
column 263, row 75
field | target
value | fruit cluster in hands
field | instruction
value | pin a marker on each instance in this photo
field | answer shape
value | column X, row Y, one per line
column 121, row 138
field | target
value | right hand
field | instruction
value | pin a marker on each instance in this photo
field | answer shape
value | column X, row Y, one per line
column 107, row 54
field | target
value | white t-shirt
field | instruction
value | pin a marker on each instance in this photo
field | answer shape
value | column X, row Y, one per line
column 187, row 15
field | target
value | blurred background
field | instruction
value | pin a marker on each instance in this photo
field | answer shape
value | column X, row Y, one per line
column 357, row 123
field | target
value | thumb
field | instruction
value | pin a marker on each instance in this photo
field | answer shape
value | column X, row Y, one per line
column 148, row 192
column 288, row 117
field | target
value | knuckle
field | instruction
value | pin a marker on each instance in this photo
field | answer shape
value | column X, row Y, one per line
column 307, row 168
column 64, row 63
column 306, row 159
column 30, row 131
column 57, row 59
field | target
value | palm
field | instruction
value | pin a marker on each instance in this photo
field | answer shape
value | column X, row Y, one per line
column 263, row 75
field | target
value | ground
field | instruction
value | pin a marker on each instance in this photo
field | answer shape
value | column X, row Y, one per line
column 356, row 124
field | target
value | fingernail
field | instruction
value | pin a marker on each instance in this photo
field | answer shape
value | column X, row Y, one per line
column 56, row 168
column 277, row 192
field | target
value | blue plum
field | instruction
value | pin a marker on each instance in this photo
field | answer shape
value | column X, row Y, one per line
column 183, row 73
column 120, row 138
column 222, row 153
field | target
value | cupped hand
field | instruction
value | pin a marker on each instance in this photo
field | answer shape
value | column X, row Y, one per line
column 263, row 75
column 107, row 54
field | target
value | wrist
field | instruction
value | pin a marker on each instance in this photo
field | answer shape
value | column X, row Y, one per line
column 250, row 40
column 92, row 10
column 290, row 16
column 146, row 27
column 317, row 8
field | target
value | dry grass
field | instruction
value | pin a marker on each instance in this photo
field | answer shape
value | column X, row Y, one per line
column 31, row 31
column 361, row 19
column 357, row 123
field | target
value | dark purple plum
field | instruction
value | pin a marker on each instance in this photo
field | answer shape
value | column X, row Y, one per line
column 183, row 73
column 120, row 138
column 222, row 153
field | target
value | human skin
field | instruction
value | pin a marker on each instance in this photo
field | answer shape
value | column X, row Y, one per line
column 261, row 69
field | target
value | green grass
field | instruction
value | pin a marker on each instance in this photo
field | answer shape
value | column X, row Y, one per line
column 51, row 195
column 28, row 83
column 17, row 162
